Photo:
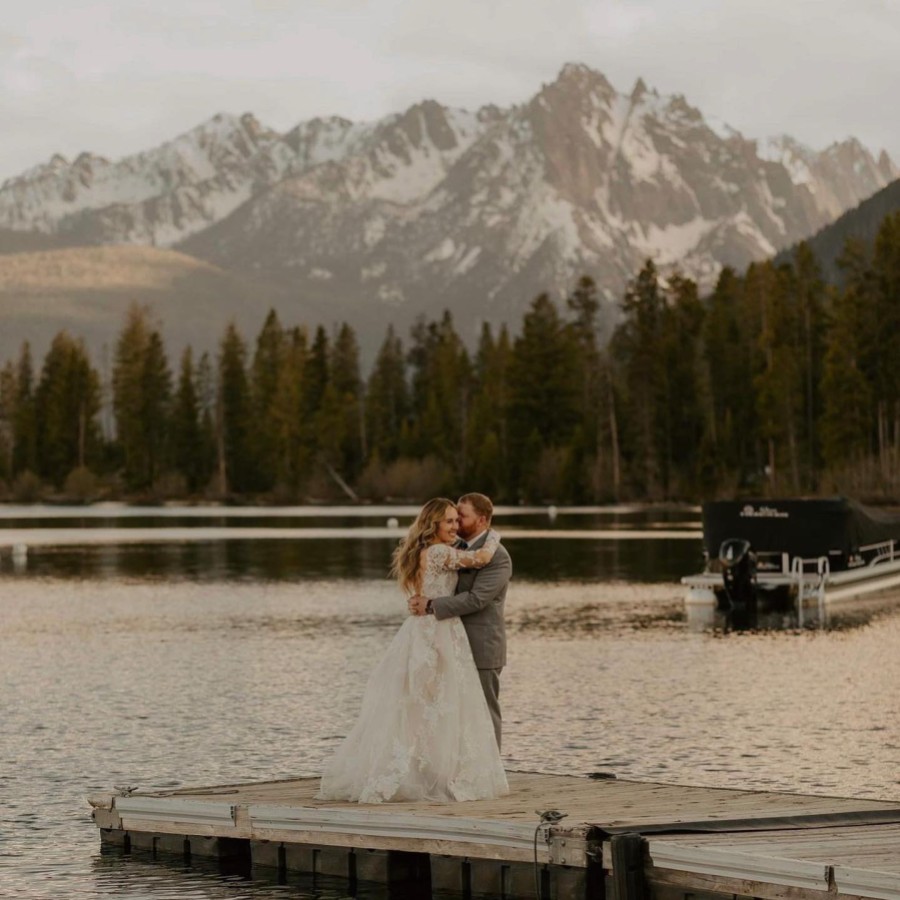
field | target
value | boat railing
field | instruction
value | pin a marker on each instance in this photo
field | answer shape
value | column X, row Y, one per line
column 883, row 551
column 801, row 569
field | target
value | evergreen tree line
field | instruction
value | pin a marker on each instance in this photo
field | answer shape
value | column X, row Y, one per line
column 775, row 383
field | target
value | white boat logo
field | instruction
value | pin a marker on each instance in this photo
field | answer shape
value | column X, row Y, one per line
column 763, row 512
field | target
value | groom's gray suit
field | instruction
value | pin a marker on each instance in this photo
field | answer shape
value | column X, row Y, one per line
column 479, row 601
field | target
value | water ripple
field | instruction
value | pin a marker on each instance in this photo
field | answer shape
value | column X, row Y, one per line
column 167, row 684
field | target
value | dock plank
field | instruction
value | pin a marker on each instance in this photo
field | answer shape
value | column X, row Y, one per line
column 606, row 804
column 767, row 844
column 863, row 859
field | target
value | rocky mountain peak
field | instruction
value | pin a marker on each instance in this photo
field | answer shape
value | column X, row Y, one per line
column 54, row 166
column 886, row 166
column 638, row 91
column 577, row 83
column 427, row 122
column 490, row 113
column 679, row 107
column 440, row 206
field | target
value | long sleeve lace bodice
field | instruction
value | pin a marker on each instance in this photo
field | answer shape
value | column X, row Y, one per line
column 443, row 562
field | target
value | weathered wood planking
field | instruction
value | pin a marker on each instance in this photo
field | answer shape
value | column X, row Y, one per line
column 766, row 844
column 842, row 844
column 605, row 803
column 862, row 860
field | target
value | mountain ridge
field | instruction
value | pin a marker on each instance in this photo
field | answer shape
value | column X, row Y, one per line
column 861, row 223
column 436, row 207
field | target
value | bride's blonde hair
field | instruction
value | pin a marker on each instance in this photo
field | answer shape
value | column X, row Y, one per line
column 405, row 563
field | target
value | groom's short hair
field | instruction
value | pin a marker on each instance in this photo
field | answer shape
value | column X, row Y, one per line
column 481, row 504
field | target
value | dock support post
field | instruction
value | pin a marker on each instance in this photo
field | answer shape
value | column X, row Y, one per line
column 235, row 856
column 627, row 866
column 114, row 837
column 269, row 854
column 451, row 874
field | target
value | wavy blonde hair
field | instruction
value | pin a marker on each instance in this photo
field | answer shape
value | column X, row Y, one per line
column 405, row 563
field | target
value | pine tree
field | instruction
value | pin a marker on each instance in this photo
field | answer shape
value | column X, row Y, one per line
column 268, row 360
column 7, row 417
column 128, row 395
column 292, row 445
column 731, row 359
column 187, row 443
column 350, row 449
column 387, row 400
column 584, row 306
column 847, row 417
column 489, row 410
column 156, row 395
column 441, row 384
column 236, row 463
column 884, row 334
column 545, row 390
column 780, row 384
column 207, row 400
column 809, row 288
column 67, row 402
column 24, row 427
column 681, row 408
column 316, row 374
column 637, row 349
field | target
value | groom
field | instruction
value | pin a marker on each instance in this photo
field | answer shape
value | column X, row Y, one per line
column 478, row 601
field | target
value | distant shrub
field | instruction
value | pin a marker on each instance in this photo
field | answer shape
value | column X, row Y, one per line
column 171, row 486
column 320, row 486
column 547, row 479
column 27, row 488
column 283, row 493
column 81, row 486
column 405, row 479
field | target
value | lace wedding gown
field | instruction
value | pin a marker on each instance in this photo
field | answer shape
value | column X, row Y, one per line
column 424, row 731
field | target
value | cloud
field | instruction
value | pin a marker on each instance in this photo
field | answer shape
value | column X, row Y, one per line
column 821, row 68
column 115, row 76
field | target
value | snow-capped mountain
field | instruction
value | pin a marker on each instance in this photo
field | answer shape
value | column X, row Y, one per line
column 580, row 179
column 163, row 195
column 438, row 207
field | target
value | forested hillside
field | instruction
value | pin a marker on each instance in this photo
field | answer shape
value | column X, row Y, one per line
column 860, row 223
column 775, row 383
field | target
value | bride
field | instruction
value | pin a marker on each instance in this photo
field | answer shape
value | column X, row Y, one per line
column 424, row 731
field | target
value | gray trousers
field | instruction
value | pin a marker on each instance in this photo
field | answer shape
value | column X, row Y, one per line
column 490, row 684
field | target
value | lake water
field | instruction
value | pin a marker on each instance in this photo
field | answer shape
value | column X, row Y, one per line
column 231, row 657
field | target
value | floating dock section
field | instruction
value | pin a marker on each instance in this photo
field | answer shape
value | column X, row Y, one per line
column 553, row 837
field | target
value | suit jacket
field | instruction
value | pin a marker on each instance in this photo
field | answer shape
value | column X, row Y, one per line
column 479, row 601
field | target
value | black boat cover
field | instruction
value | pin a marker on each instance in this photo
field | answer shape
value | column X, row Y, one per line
column 838, row 528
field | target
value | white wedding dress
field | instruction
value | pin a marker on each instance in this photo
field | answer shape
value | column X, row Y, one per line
column 424, row 731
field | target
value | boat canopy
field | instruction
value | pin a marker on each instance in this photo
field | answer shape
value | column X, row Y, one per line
column 845, row 531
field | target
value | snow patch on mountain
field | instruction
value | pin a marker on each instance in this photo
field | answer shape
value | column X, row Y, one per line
column 437, row 202
column 794, row 156
column 444, row 250
column 670, row 244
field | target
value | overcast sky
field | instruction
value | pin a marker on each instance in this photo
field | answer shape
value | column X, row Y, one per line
column 118, row 76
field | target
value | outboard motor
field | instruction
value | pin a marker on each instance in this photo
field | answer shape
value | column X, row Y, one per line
column 739, row 575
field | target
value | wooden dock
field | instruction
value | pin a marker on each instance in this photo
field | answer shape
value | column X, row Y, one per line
column 617, row 840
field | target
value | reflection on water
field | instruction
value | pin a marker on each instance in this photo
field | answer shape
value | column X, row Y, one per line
column 287, row 560
column 140, row 875
column 311, row 542
column 206, row 663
